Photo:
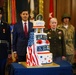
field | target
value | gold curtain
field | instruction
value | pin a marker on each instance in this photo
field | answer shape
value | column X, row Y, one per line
column 41, row 2
column 9, row 11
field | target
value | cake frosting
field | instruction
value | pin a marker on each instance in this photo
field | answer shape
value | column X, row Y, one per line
column 38, row 49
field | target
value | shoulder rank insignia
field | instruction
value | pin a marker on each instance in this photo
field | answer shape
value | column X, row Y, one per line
column 48, row 32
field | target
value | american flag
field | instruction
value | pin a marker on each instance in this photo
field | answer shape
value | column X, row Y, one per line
column 51, row 11
column 32, row 59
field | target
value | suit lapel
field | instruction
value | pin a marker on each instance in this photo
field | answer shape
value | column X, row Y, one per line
column 21, row 26
column 29, row 27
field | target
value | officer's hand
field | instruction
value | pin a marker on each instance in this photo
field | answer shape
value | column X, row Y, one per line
column 74, row 52
column 63, row 58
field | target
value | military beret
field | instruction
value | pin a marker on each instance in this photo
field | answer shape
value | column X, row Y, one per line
column 1, row 10
column 66, row 16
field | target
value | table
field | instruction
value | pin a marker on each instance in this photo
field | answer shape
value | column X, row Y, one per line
column 64, row 69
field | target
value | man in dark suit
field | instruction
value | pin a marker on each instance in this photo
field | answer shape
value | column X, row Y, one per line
column 5, row 43
column 56, row 38
column 21, row 36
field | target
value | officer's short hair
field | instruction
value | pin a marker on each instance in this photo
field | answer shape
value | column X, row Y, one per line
column 53, row 19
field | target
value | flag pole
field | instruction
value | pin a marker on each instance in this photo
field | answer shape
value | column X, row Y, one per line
column 41, row 2
column 51, row 11
column 9, row 11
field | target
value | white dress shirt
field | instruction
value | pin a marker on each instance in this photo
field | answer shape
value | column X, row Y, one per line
column 23, row 23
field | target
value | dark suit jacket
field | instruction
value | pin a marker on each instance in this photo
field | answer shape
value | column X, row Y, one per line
column 5, row 35
column 57, row 44
column 20, row 40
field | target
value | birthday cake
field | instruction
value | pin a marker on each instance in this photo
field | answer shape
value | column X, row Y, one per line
column 38, row 49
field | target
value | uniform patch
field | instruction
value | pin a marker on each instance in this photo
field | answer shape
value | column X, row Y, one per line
column 59, row 32
column 2, row 23
column 59, row 37
column 48, row 33
column 49, row 37
column 4, row 30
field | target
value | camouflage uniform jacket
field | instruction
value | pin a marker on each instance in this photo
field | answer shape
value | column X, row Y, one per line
column 69, row 36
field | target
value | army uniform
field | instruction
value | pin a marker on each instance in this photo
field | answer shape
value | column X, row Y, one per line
column 5, row 40
column 5, row 44
column 69, row 40
column 69, row 36
column 57, row 45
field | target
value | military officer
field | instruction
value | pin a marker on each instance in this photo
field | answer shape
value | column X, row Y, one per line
column 56, row 38
column 69, row 34
column 5, row 43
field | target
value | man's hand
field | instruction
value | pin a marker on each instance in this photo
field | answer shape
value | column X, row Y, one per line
column 14, row 57
column 9, row 56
